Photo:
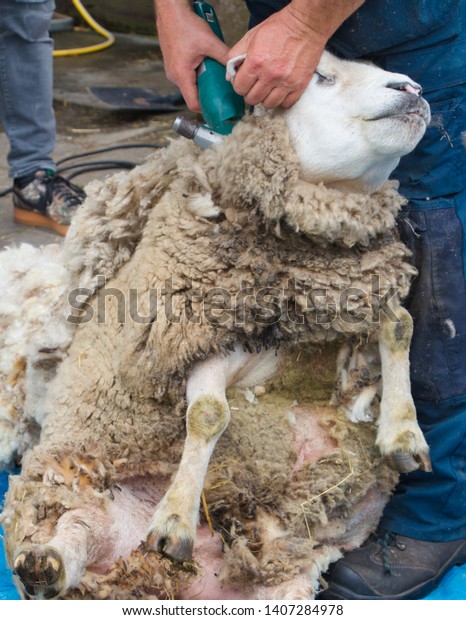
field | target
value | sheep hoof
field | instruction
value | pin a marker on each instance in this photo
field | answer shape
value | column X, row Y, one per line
column 41, row 571
column 404, row 462
column 172, row 540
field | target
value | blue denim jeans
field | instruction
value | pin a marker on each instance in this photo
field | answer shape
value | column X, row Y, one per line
column 26, row 84
column 426, row 40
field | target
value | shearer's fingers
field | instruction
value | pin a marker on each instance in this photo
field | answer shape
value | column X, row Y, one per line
column 257, row 94
column 186, row 81
column 275, row 98
column 291, row 98
column 245, row 79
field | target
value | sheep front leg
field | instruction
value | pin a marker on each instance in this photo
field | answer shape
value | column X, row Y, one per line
column 46, row 571
column 173, row 527
column 399, row 436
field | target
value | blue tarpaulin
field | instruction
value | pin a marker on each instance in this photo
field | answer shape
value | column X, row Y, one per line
column 453, row 586
column 7, row 589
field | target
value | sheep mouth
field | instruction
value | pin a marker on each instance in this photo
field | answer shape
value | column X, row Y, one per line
column 409, row 113
column 402, row 116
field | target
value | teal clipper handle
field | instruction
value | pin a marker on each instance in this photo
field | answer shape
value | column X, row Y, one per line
column 221, row 107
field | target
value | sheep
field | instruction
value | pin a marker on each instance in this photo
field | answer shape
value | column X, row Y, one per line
column 281, row 237
column 34, row 337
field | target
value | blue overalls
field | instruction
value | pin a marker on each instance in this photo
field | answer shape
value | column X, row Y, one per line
column 426, row 39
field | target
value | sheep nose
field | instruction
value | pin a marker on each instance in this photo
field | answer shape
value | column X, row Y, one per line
column 409, row 87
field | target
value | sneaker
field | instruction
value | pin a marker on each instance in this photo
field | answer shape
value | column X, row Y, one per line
column 389, row 566
column 46, row 200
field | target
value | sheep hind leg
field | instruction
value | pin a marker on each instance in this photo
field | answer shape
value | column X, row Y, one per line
column 173, row 527
column 399, row 436
column 47, row 571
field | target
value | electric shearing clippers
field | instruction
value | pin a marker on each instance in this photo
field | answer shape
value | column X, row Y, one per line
column 221, row 106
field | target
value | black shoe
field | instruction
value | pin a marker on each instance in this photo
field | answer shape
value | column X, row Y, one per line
column 390, row 566
column 46, row 200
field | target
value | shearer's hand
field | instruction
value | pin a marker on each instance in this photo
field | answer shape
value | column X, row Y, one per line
column 284, row 50
column 281, row 55
column 185, row 40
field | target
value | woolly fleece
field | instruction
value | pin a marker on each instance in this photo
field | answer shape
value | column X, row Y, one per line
column 236, row 220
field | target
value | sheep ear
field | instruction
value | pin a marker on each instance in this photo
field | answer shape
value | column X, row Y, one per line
column 257, row 166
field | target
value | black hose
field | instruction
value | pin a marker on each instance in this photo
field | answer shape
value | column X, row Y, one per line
column 97, row 165
column 111, row 148
column 103, row 166
column 5, row 192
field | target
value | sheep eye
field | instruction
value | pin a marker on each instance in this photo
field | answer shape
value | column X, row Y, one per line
column 325, row 80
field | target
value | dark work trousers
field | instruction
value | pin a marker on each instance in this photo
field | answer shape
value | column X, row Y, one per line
column 427, row 41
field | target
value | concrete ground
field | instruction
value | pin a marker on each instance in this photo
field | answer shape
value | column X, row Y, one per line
column 84, row 123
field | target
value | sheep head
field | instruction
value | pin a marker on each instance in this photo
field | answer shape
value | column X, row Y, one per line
column 354, row 122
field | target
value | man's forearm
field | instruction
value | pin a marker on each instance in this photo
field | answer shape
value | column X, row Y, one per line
column 324, row 16
column 172, row 3
column 164, row 6
column 170, row 14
